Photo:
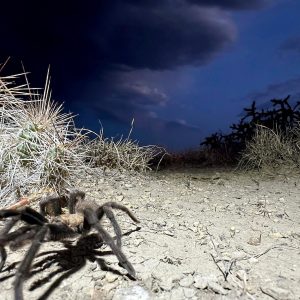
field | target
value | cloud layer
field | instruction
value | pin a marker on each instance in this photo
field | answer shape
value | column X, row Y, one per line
column 94, row 47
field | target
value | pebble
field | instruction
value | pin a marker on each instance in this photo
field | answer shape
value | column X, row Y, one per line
column 167, row 284
column 254, row 241
column 200, row 282
column 277, row 293
column 132, row 293
column 110, row 277
column 93, row 266
column 186, row 281
column 217, row 288
column 276, row 235
column 177, row 294
column 189, row 293
column 169, row 233
column 119, row 198
column 253, row 260
column 128, row 185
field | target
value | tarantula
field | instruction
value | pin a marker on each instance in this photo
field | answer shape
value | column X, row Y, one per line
column 83, row 216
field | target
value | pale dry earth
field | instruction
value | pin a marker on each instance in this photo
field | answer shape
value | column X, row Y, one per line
column 197, row 227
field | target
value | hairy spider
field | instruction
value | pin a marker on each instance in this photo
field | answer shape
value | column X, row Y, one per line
column 83, row 216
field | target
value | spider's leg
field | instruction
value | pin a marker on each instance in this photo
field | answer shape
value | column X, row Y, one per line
column 24, row 268
column 122, row 208
column 3, row 255
column 73, row 197
column 7, row 227
column 51, row 205
column 92, row 219
column 26, row 214
column 22, row 235
column 111, row 216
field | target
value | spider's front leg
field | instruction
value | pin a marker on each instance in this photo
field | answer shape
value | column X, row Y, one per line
column 91, row 218
column 24, row 267
column 106, row 209
column 36, row 230
column 7, row 227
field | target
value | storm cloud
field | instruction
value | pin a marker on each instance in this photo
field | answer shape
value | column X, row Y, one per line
column 234, row 4
column 93, row 47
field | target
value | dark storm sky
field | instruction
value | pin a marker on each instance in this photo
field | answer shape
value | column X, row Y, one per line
column 181, row 68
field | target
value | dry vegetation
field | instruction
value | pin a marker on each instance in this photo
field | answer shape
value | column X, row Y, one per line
column 41, row 147
column 121, row 153
column 272, row 149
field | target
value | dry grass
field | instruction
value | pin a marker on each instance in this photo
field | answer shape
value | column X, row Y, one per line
column 122, row 154
column 271, row 149
column 41, row 148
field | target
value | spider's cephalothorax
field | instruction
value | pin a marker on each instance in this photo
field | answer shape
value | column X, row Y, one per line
column 83, row 216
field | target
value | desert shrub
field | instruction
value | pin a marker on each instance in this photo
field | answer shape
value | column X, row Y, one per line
column 281, row 116
column 122, row 153
column 271, row 149
column 40, row 146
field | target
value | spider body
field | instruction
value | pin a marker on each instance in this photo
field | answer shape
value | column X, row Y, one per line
column 83, row 216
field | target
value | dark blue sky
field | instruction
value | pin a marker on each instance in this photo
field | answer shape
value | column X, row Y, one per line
column 181, row 68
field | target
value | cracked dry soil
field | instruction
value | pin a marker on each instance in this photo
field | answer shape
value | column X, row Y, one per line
column 198, row 227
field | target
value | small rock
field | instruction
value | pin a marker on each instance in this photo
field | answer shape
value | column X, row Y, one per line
column 254, row 241
column 177, row 294
column 169, row 233
column 119, row 198
column 128, row 185
column 93, row 266
column 200, row 282
column 217, row 288
column 194, row 229
column 242, row 275
column 132, row 293
column 186, row 281
column 189, row 293
column 238, row 255
column 277, row 293
column 276, row 235
column 253, row 260
column 137, row 242
column 167, row 284
column 110, row 277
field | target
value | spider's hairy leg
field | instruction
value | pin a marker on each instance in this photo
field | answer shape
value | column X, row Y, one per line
column 60, row 231
column 106, row 209
column 26, row 214
column 122, row 208
column 24, row 268
column 74, row 196
column 92, row 218
column 111, row 216
column 7, row 227
column 52, row 205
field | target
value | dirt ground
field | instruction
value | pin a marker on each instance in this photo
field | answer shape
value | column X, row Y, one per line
column 205, row 234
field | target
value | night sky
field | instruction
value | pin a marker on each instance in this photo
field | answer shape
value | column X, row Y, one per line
column 181, row 68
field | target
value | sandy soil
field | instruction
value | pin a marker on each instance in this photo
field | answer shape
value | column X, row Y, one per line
column 198, row 228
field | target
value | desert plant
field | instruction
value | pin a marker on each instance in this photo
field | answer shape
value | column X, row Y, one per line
column 269, row 148
column 40, row 145
column 122, row 153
